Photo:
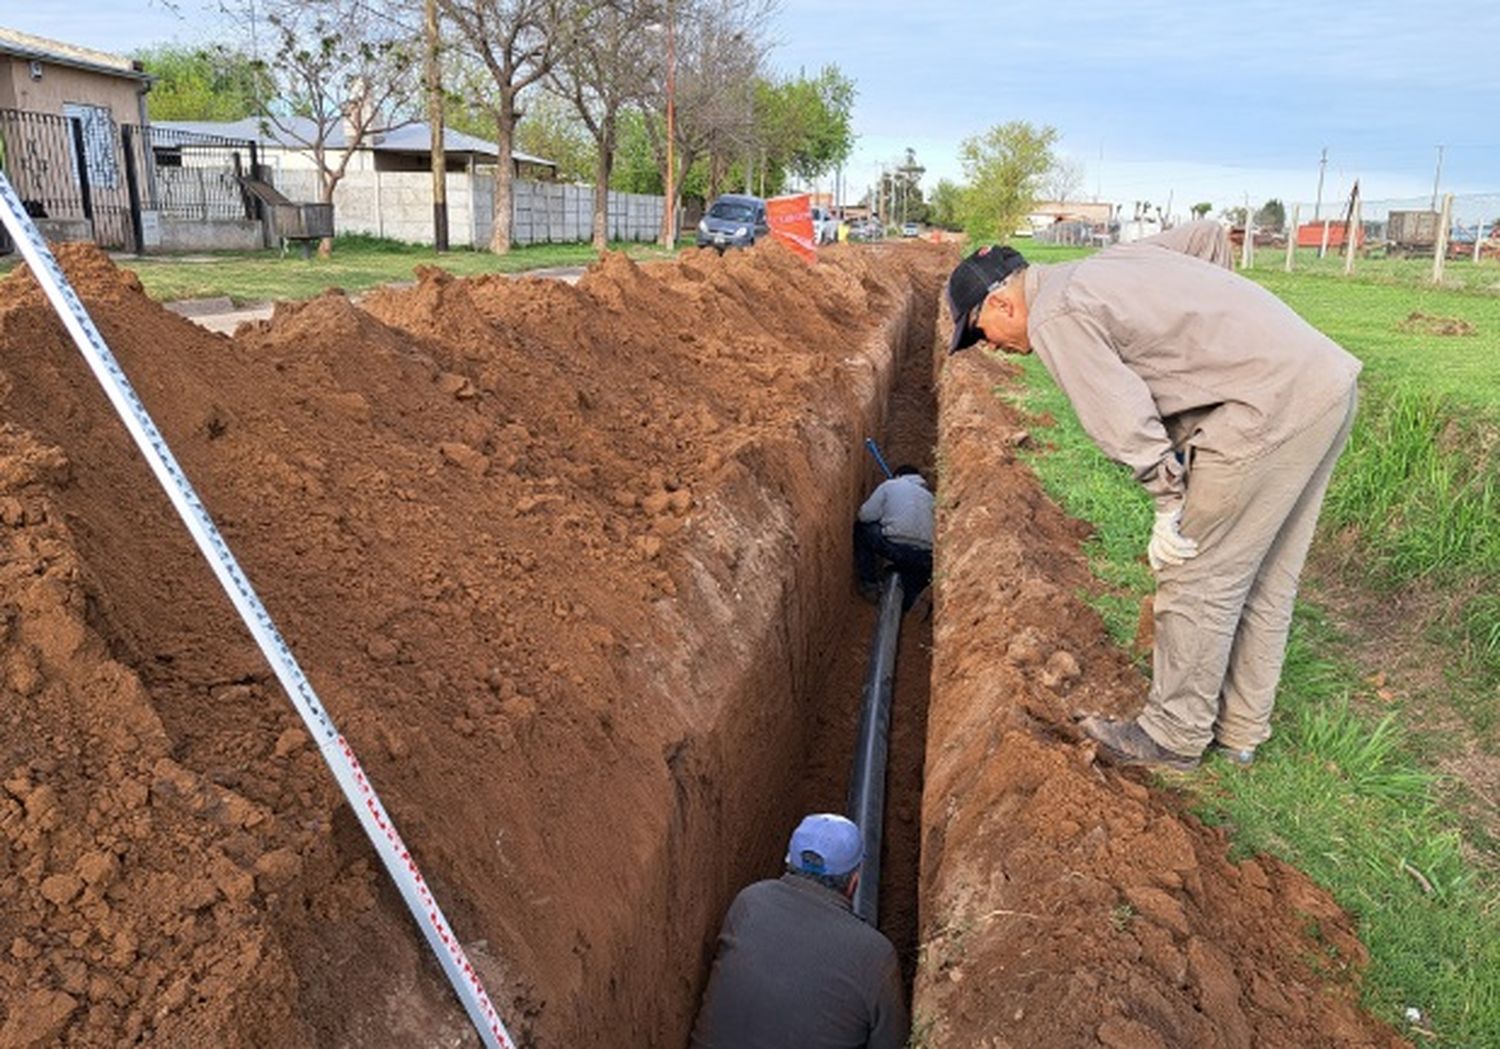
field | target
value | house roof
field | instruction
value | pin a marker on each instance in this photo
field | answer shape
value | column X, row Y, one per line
column 409, row 138
column 28, row 47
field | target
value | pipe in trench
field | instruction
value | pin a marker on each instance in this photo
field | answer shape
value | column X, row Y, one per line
column 867, row 784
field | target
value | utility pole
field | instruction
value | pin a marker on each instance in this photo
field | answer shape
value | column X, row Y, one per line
column 435, row 127
column 669, row 218
column 1436, row 177
column 1322, row 168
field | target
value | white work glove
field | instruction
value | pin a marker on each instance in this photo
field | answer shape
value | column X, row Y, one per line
column 1168, row 545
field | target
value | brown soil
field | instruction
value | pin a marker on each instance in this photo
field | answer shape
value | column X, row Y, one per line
column 562, row 561
column 1065, row 904
column 1418, row 323
column 570, row 567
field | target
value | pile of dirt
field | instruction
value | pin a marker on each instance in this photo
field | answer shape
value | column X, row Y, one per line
column 1419, row 323
column 507, row 526
column 1066, row 904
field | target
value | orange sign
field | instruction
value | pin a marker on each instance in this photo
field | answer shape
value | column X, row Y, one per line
column 790, row 219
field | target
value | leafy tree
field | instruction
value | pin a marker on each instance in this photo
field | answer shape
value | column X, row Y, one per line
column 943, row 207
column 202, row 84
column 549, row 128
column 1201, row 209
column 1235, row 216
column 1272, row 215
column 806, row 124
column 331, row 65
column 1003, row 168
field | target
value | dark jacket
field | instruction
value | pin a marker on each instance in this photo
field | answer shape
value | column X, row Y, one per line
column 797, row 970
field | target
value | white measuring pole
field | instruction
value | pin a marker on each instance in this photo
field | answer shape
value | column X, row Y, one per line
column 335, row 750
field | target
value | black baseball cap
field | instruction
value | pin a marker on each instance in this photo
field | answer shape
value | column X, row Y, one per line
column 975, row 277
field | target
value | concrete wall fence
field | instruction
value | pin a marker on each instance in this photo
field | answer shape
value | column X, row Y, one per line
column 398, row 205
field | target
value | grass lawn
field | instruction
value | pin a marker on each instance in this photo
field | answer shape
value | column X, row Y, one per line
column 357, row 263
column 1347, row 788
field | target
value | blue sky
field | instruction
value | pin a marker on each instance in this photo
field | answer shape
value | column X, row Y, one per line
column 1207, row 100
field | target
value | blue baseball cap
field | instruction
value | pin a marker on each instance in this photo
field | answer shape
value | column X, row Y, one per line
column 824, row 843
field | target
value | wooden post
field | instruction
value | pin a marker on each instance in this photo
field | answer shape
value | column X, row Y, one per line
column 1478, row 239
column 1247, row 246
column 1323, row 248
column 1291, row 240
column 432, row 78
column 1353, row 237
column 1440, row 252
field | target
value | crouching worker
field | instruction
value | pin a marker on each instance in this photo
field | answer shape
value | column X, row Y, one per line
column 796, row 969
column 895, row 525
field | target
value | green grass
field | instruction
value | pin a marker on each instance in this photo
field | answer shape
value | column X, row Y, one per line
column 1412, row 272
column 1340, row 790
column 357, row 263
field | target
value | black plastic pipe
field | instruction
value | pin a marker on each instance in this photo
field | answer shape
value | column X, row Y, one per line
column 867, row 785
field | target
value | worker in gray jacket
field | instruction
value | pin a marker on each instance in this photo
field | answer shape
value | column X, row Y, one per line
column 895, row 525
column 796, row 969
column 1231, row 410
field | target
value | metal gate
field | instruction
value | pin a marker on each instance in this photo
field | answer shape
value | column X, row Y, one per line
column 69, row 167
column 83, row 165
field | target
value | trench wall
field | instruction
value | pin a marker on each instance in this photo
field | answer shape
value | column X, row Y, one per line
column 1064, row 903
column 562, row 562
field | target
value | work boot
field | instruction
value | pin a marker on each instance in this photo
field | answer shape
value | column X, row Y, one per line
column 1235, row 755
column 1126, row 743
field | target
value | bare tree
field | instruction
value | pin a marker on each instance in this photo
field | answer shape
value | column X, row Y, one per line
column 609, row 65
column 1063, row 179
column 517, row 41
column 720, row 47
column 340, row 74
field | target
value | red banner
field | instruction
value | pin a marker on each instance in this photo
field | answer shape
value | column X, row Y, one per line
column 790, row 219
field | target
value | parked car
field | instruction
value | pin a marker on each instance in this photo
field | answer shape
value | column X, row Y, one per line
column 733, row 221
column 911, row 229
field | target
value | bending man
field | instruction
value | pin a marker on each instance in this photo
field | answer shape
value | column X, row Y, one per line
column 1231, row 410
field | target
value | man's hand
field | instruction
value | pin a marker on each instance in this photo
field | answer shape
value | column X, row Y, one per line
column 1168, row 545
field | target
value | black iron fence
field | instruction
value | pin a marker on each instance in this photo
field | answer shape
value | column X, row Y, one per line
column 197, row 176
column 82, row 165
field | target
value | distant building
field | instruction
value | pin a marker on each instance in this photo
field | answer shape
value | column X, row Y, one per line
column 407, row 148
column 1048, row 212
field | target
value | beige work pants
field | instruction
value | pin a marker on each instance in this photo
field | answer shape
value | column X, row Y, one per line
column 1222, row 617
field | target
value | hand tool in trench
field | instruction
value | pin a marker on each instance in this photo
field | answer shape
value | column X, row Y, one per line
column 331, row 744
column 875, row 451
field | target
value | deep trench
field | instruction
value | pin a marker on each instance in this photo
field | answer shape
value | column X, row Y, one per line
column 841, row 655
column 910, row 437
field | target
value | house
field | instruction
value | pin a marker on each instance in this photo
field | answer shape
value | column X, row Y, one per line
column 1048, row 212
column 45, row 87
column 48, row 76
column 283, row 147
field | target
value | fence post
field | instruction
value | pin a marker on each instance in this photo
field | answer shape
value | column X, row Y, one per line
column 83, row 172
column 1440, row 252
column 1353, row 237
column 1323, row 247
column 1291, row 240
column 133, row 188
column 1478, row 238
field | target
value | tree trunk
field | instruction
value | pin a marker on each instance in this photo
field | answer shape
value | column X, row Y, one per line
column 602, row 168
column 718, row 172
column 505, row 172
column 325, row 245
